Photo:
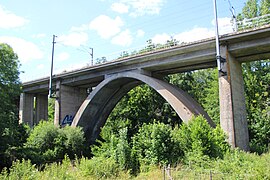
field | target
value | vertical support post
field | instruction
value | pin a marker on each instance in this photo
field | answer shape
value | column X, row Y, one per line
column 41, row 106
column 57, row 106
column 26, row 110
column 67, row 103
column 233, row 118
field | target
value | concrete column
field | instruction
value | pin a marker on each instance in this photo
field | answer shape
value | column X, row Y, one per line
column 68, row 102
column 57, row 109
column 26, row 110
column 233, row 118
column 41, row 108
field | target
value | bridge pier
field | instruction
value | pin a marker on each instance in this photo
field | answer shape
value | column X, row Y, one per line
column 68, row 101
column 233, row 117
column 33, row 108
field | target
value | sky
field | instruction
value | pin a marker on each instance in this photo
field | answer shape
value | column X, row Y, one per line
column 108, row 26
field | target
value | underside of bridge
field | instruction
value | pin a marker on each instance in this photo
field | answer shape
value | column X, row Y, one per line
column 95, row 110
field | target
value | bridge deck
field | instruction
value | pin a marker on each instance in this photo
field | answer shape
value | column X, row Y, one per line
column 245, row 46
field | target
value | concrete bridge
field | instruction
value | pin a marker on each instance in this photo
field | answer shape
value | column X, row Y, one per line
column 88, row 95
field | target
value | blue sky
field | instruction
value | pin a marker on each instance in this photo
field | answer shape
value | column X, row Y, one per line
column 107, row 26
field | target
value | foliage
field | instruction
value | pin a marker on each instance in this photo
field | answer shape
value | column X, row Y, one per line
column 235, row 165
column 257, row 78
column 198, row 138
column 98, row 167
column 9, row 94
column 21, row 170
column 47, row 143
column 51, row 105
column 257, row 88
column 202, row 85
column 159, row 144
column 154, row 144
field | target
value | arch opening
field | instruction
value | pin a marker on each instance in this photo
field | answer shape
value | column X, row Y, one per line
column 97, row 107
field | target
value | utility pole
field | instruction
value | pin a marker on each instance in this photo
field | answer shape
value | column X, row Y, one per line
column 50, row 84
column 218, row 57
column 92, row 56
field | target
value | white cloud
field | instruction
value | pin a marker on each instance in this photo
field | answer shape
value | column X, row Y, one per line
column 26, row 51
column 195, row 34
column 224, row 25
column 123, row 39
column 144, row 7
column 10, row 20
column 68, row 67
column 62, row 56
column 74, row 39
column 81, row 28
column 40, row 66
column 105, row 26
column 41, row 35
column 161, row 38
column 140, row 33
column 120, row 8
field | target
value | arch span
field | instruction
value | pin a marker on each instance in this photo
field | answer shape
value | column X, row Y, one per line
column 95, row 110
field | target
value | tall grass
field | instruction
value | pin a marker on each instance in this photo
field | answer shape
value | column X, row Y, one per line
column 235, row 165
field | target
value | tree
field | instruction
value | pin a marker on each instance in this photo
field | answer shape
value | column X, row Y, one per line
column 256, row 78
column 265, row 7
column 11, row 133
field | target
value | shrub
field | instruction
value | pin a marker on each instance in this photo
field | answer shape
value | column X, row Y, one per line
column 48, row 143
column 198, row 138
column 154, row 144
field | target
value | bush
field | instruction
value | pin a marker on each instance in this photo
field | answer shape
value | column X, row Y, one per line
column 154, row 144
column 198, row 138
column 48, row 143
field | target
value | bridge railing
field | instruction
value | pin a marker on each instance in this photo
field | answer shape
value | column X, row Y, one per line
column 253, row 22
column 245, row 24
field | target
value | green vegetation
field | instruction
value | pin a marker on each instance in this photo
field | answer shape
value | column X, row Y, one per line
column 12, row 135
column 201, row 151
column 143, row 134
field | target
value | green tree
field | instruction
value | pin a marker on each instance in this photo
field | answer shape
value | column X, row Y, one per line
column 48, row 143
column 256, row 78
column 251, row 9
column 10, row 129
column 265, row 7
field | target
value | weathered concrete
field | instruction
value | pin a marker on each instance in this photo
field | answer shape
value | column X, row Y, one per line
column 26, row 110
column 93, row 113
column 232, row 102
column 68, row 101
column 244, row 46
column 41, row 108
column 112, row 83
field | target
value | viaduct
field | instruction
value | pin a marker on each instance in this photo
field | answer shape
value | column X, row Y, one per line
column 88, row 95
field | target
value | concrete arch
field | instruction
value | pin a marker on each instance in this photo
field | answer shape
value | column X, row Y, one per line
column 95, row 110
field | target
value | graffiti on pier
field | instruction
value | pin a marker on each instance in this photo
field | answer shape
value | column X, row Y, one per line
column 67, row 120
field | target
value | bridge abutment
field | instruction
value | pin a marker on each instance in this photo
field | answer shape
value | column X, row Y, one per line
column 233, row 117
column 33, row 108
column 68, row 101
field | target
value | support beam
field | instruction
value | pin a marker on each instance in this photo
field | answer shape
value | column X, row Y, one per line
column 41, row 108
column 233, row 118
column 68, row 101
column 26, row 112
